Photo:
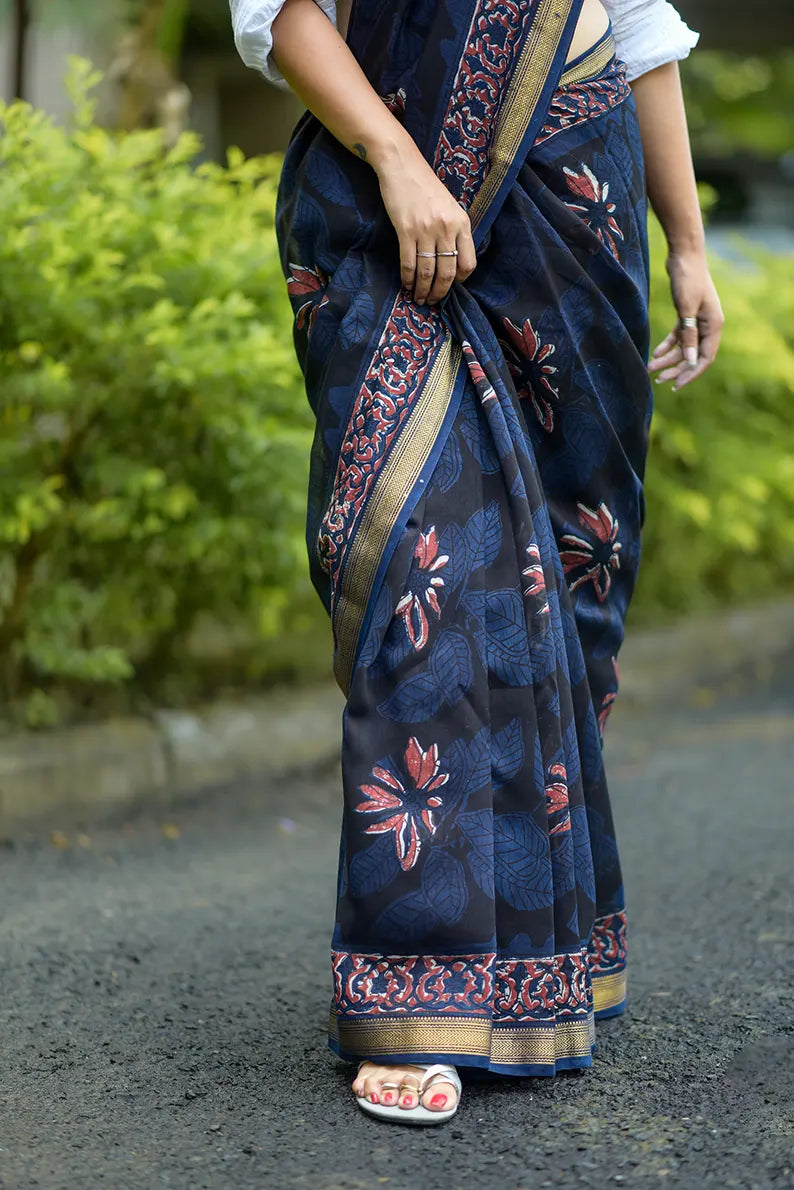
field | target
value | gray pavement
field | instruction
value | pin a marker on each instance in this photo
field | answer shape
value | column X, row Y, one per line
column 164, row 987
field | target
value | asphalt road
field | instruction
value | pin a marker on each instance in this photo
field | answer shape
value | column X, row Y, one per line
column 164, row 988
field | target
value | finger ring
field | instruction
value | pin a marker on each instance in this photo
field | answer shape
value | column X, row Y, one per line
column 454, row 252
column 689, row 322
column 433, row 254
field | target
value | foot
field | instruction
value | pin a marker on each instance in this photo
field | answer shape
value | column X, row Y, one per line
column 368, row 1084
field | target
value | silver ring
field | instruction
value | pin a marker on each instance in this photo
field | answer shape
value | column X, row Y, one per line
column 454, row 252
column 689, row 322
column 432, row 254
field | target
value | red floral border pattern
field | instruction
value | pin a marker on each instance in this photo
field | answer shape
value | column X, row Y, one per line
column 395, row 377
column 577, row 103
column 504, row 991
column 494, row 41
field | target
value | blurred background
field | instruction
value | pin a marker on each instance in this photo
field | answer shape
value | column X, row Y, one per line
column 155, row 437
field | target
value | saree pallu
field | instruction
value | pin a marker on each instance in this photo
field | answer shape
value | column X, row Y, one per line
column 475, row 508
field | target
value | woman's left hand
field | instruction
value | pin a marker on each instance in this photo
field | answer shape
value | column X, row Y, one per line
column 689, row 350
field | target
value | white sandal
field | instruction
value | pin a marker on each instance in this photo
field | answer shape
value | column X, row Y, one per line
column 418, row 1114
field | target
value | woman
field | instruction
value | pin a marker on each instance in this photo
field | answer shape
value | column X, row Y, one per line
column 462, row 226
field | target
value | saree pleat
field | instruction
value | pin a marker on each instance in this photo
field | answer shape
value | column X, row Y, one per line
column 474, row 528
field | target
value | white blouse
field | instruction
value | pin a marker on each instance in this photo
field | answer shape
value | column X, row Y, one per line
column 648, row 33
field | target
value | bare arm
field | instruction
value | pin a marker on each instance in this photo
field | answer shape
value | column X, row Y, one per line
column 323, row 73
column 688, row 351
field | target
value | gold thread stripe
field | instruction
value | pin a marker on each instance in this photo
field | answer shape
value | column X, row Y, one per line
column 394, row 484
column 504, row 1044
column 591, row 66
column 608, row 990
column 526, row 87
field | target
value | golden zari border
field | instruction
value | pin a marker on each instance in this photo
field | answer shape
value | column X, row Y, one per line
column 608, row 990
column 591, row 66
column 528, row 1044
column 394, row 485
column 526, row 88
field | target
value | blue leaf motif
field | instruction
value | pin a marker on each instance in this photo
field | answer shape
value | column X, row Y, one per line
column 539, row 768
column 474, row 602
column 329, row 179
column 396, row 646
column 543, row 654
column 357, row 322
column 508, row 646
column 407, row 919
column 522, row 867
column 468, row 765
column 444, row 886
column 450, row 464
column 415, row 699
column 450, row 664
column 380, row 618
column 351, row 275
column 507, row 753
column 478, row 438
column 477, row 826
column 484, row 536
column 576, row 665
column 372, row 869
column 453, row 542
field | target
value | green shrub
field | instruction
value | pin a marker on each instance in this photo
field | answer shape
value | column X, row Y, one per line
column 155, row 435
column 720, row 484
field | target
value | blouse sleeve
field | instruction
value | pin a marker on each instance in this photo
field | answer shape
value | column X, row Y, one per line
column 252, row 21
column 648, row 33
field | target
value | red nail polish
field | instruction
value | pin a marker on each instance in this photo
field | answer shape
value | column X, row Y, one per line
column 374, row 1098
column 438, row 1101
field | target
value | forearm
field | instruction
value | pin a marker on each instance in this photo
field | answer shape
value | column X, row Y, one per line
column 321, row 70
column 668, row 158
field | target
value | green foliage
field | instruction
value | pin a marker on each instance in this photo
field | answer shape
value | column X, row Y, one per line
column 720, row 484
column 155, row 438
column 737, row 103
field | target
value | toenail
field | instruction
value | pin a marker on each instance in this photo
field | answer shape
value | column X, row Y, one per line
column 438, row 1101
column 374, row 1098
column 408, row 1101
column 388, row 1097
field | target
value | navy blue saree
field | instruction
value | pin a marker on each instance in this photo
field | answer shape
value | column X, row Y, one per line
column 474, row 522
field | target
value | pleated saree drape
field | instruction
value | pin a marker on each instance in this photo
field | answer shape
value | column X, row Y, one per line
column 474, row 525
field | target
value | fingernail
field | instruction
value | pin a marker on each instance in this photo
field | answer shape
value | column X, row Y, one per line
column 691, row 356
column 438, row 1101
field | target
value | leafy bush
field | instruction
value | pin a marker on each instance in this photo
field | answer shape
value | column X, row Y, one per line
column 155, row 436
column 720, row 484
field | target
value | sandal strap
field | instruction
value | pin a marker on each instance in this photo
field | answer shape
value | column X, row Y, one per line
column 441, row 1073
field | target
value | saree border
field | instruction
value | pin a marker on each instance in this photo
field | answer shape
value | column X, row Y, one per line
column 395, row 482
column 530, row 78
column 591, row 63
column 545, row 1046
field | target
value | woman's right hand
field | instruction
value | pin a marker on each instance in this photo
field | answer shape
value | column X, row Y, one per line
column 427, row 219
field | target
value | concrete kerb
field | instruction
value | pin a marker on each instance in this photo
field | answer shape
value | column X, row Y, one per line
column 101, row 771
